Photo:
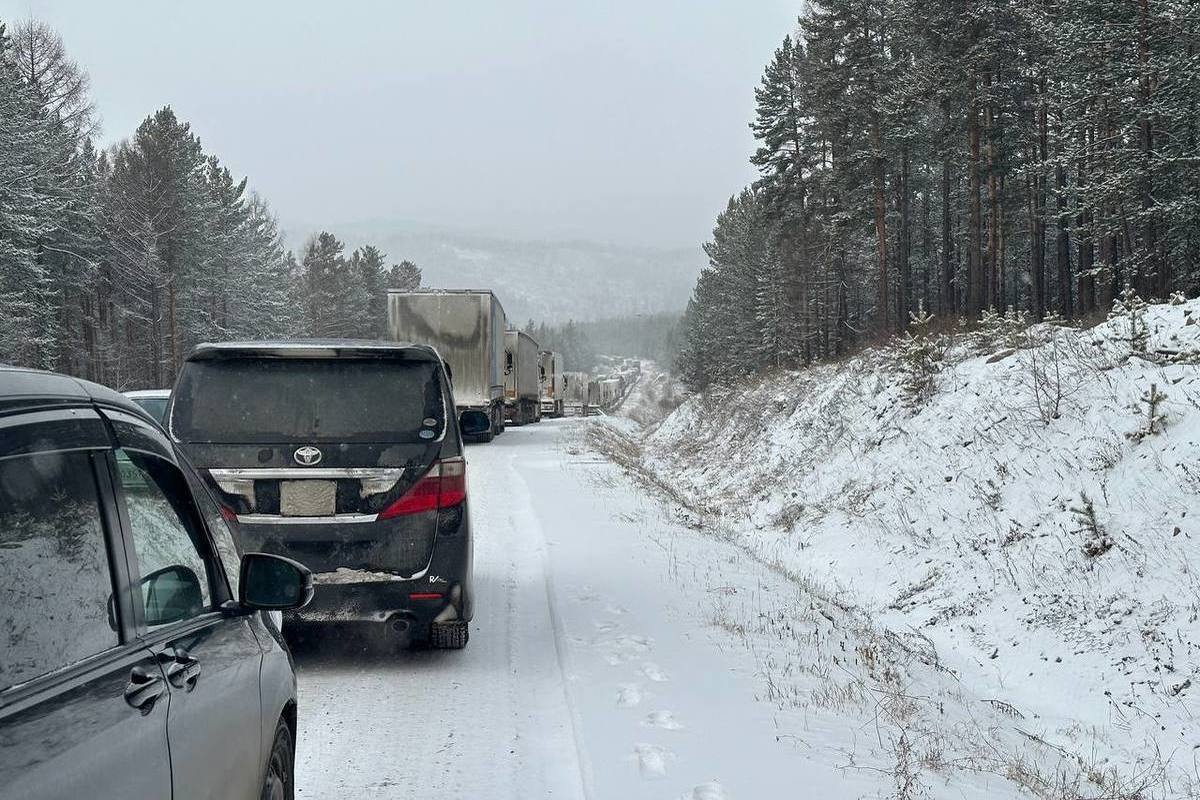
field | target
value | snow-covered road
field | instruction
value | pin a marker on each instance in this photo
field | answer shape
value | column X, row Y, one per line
column 594, row 668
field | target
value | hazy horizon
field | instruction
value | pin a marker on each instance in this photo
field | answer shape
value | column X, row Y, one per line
column 615, row 123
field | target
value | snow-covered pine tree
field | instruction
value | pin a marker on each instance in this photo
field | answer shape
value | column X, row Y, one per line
column 368, row 263
column 335, row 301
column 405, row 276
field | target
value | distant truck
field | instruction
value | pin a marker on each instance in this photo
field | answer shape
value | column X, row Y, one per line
column 521, row 405
column 575, row 392
column 466, row 327
column 551, row 376
column 605, row 393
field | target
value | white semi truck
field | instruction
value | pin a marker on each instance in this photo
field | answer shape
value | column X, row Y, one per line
column 466, row 327
column 553, row 383
column 521, row 405
column 575, row 392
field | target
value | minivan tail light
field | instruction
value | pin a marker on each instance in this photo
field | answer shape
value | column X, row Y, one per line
column 443, row 486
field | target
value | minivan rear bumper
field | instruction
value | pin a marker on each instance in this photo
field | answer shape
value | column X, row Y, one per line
column 416, row 604
column 371, row 572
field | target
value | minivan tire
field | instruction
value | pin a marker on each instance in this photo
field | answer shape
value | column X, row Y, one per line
column 280, row 783
column 449, row 635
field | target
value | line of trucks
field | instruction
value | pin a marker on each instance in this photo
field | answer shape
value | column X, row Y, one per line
column 494, row 369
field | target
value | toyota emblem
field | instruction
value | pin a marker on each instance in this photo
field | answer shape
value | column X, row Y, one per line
column 307, row 455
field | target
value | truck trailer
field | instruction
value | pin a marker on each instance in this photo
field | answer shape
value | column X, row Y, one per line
column 575, row 392
column 551, row 376
column 521, row 378
column 466, row 327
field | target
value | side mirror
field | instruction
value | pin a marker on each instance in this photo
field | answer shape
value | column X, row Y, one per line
column 273, row 583
column 171, row 594
column 473, row 422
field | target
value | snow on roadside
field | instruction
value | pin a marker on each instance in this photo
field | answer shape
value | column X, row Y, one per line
column 1006, row 564
column 654, row 395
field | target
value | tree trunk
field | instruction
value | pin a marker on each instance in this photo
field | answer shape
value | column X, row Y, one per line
column 173, row 350
column 1036, row 270
column 1153, row 280
column 884, row 321
column 976, row 283
column 906, row 286
column 1063, row 243
column 993, row 267
column 947, row 301
column 1041, row 301
column 1087, row 281
column 926, row 242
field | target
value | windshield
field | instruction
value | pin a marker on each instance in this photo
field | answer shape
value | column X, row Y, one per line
column 272, row 400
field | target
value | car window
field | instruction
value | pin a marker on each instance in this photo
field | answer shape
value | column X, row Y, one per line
column 176, row 579
column 154, row 406
column 227, row 549
column 55, row 583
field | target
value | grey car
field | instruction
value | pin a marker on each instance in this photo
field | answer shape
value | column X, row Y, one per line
column 137, row 660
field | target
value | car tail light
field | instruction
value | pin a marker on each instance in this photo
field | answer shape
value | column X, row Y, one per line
column 228, row 514
column 443, row 486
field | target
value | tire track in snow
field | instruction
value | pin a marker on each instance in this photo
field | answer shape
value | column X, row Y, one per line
column 482, row 722
column 582, row 764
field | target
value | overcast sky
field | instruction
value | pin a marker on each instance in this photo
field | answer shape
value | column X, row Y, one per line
column 615, row 120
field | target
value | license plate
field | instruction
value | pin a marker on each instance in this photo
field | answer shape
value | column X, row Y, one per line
column 307, row 498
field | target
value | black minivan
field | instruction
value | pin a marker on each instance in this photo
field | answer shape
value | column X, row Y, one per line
column 346, row 456
column 135, row 660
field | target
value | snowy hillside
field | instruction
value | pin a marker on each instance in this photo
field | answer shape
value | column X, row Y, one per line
column 550, row 281
column 998, row 536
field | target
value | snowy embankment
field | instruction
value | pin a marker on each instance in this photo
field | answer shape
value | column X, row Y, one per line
column 998, row 532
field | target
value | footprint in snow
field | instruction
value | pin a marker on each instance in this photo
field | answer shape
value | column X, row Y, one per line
column 619, row 649
column 705, row 791
column 652, row 759
column 651, row 671
column 586, row 594
column 663, row 719
column 629, row 695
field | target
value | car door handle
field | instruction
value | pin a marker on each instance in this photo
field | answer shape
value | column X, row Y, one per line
column 183, row 671
column 144, row 688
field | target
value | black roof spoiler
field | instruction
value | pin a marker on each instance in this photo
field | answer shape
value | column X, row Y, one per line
column 314, row 348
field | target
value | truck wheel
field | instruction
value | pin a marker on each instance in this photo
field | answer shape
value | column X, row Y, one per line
column 449, row 635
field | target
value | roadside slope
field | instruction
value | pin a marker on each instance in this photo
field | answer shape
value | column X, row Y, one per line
column 1014, row 509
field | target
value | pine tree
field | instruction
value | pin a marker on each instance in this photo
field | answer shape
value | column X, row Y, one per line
column 367, row 264
column 335, row 299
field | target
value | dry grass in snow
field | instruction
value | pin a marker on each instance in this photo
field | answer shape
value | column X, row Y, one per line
column 994, row 537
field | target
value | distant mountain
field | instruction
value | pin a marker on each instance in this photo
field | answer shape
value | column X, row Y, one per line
column 551, row 281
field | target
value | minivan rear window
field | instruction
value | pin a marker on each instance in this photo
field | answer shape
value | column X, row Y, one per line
column 265, row 400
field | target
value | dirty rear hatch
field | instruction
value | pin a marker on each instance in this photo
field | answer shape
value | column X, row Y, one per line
column 307, row 452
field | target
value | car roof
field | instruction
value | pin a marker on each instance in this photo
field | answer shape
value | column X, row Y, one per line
column 314, row 348
column 21, row 387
